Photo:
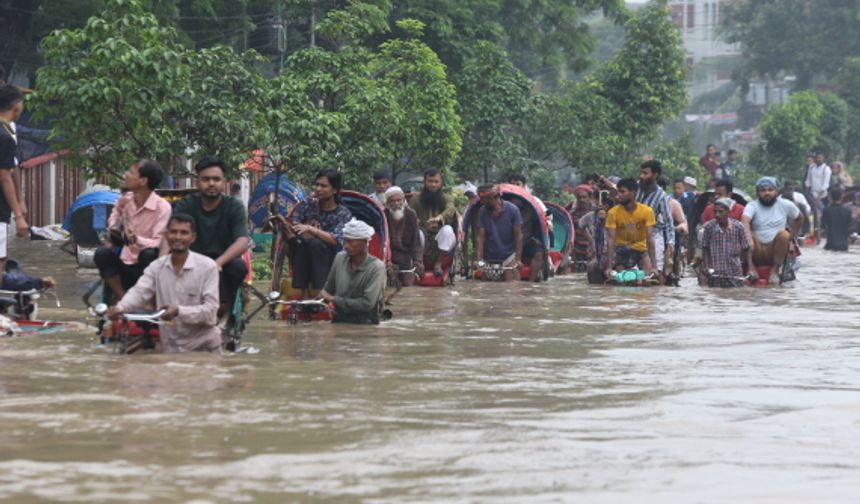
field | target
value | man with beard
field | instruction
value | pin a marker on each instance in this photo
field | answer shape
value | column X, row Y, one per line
column 435, row 213
column 381, row 183
column 405, row 236
column 653, row 196
column 185, row 284
column 223, row 225
column 765, row 220
column 629, row 240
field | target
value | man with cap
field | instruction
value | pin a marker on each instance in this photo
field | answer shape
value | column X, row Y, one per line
column 766, row 219
column 405, row 235
column 356, row 281
column 682, row 195
column 724, row 241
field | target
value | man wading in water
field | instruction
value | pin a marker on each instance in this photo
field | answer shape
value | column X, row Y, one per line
column 357, row 279
column 629, row 240
column 184, row 283
column 724, row 240
column 765, row 220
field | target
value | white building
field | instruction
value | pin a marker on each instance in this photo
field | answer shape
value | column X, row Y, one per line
column 699, row 21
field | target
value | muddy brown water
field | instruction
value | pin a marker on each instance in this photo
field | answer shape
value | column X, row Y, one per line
column 557, row 392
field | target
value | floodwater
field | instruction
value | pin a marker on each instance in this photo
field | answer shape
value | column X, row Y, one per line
column 558, row 392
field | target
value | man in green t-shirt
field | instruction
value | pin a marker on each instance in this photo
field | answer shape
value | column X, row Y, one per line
column 222, row 225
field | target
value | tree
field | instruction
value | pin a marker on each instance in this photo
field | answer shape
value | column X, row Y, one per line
column 302, row 137
column 646, row 80
column 123, row 88
column 494, row 98
column 109, row 89
column 849, row 90
column 223, row 104
column 199, row 23
column 794, row 37
column 423, row 128
column 788, row 132
column 544, row 38
column 833, row 124
column 603, row 122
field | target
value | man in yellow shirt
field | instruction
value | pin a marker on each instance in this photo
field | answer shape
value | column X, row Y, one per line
column 628, row 232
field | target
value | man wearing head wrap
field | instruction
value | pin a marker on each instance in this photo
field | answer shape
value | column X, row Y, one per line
column 356, row 281
column 766, row 220
column 724, row 244
column 404, row 235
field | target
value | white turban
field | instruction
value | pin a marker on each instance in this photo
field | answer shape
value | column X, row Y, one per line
column 357, row 230
column 391, row 191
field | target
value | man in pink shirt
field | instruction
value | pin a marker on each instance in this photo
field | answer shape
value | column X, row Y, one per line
column 138, row 222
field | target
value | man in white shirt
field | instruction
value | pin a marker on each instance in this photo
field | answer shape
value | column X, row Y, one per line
column 766, row 220
column 818, row 178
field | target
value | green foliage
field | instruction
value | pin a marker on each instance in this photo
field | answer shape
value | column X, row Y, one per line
column 198, row 23
column 123, row 88
column 261, row 263
column 604, row 122
column 545, row 39
column 646, row 80
column 494, row 99
column 849, row 90
column 302, row 137
column 833, row 125
column 423, row 129
column 395, row 106
column 109, row 89
column 788, row 132
column 679, row 159
column 794, row 37
column 810, row 120
column 222, row 113
column 366, row 96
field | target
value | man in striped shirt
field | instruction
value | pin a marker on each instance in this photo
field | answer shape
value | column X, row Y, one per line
column 651, row 195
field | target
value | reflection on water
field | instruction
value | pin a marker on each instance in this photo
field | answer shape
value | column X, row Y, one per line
column 482, row 392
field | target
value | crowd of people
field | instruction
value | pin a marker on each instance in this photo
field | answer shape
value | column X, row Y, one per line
column 188, row 258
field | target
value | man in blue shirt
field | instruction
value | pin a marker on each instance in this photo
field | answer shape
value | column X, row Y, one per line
column 500, row 236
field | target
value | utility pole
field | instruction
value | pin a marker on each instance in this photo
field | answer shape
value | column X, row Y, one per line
column 281, row 29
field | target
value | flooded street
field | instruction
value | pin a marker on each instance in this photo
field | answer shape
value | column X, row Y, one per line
column 481, row 393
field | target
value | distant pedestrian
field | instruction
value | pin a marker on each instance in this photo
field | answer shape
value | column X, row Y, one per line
column 836, row 221
column 710, row 161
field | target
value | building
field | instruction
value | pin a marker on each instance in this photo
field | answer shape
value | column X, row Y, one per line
column 699, row 21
